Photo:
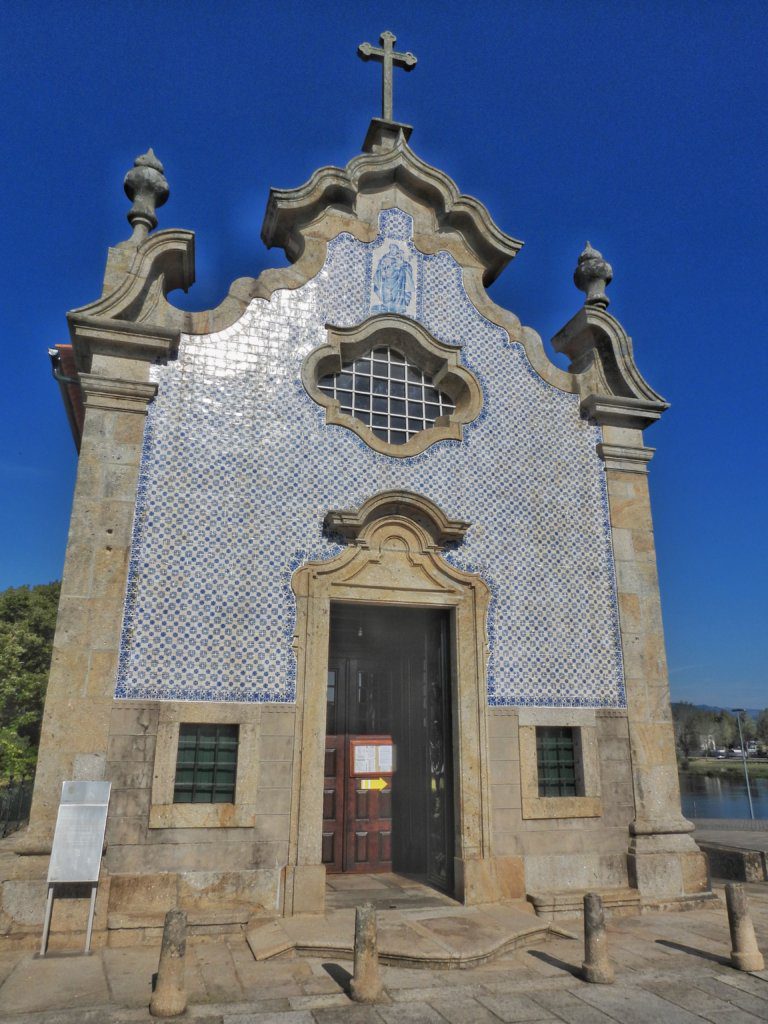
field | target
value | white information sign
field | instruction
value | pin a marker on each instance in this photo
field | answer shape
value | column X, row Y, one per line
column 79, row 836
column 372, row 758
column 77, row 844
column 384, row 760
column 365, row 759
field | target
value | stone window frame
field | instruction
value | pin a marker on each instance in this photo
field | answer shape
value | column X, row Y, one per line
column 163, row 812
column 584, row 723
column 576, row 760
column 220, row 766
column 438, row 360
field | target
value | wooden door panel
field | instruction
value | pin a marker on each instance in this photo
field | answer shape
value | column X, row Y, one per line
column 385, row 847
column 333, row 804
column 385, row 805
column 329, row 848
column 361, row 805
column 369, row 824
column 360, row 840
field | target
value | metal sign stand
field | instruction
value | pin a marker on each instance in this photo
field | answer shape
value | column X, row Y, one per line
column 49, row 911
column 77, row 846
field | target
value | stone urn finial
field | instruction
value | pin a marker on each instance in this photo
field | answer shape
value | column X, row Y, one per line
column 146, row 186
column 591, row 276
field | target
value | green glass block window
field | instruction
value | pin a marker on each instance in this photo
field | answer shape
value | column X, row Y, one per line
column 206, row 764
column 556, row 757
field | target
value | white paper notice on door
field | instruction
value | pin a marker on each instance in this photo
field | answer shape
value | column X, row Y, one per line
column 365, row 759
column 372, row 758
column 384, row 759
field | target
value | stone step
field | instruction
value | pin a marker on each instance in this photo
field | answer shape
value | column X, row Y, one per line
column 569, row 903
column 208, row 916
column 428, row 937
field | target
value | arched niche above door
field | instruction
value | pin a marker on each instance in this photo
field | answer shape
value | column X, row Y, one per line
column 417, row 509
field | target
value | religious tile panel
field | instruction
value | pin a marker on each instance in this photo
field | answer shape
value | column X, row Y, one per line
column 239, row 469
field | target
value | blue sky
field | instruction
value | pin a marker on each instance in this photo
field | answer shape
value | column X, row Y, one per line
column 638, row 126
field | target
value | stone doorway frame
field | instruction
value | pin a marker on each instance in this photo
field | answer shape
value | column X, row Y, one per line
column 393, row 558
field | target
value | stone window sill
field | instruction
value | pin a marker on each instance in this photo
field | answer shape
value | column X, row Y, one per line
column 201, row 816
column 562, row 807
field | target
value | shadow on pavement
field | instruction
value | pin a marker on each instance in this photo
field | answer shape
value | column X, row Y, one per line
column 340, row 975
column 692, row 951
column 555, row 962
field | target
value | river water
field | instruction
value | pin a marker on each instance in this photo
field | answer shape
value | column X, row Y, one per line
column 722, row 796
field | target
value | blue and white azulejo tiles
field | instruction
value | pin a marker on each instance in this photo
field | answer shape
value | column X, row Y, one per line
column 239, row 470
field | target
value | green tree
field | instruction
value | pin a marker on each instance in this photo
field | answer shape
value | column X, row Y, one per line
column 726, row 729
column 762, row 726
column 690, row 727
column 748, row 728
column 27, row 624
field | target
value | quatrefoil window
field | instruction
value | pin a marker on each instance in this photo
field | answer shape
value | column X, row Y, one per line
column 395, row 398
column 393, row 384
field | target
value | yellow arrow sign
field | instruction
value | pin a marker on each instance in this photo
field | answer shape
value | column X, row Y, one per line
column 373, row 783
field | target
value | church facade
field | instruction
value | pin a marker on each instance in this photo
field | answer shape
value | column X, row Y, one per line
column 357, row 579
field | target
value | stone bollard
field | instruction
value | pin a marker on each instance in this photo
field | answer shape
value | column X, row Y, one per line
column 170, row 998
column 596, row 968
column 365, row 986
column 745, row 955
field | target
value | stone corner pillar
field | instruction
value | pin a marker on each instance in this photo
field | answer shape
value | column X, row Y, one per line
column 113, row 360
column 479, row 880
column 304, row 889
column 664, row 861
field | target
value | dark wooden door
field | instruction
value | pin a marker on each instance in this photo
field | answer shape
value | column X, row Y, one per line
column 439, row 766
column 389, row 680
column 333, row 782
column 357, row 806
column 368, row 818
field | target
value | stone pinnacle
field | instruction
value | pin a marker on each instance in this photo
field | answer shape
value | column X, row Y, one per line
column 146, row 186
column 591, row 276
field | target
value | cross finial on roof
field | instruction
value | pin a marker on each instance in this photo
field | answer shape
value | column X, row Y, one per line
column 389, row 58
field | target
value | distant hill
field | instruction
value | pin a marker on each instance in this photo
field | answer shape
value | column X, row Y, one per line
column 752, row 712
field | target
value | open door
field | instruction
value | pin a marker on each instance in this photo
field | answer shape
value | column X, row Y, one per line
column 388, row 788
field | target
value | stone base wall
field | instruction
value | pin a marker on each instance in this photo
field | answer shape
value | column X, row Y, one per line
column 200, row 837
column 224, row 874
column 582, row 842
column 130, row 909
column 220, row 873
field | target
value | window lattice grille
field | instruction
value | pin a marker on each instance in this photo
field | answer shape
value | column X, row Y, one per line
column 206, row 764
column 394, row 397
column 556, row 757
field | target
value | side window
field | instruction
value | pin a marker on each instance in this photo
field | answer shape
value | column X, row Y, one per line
column 206, row 764
column 558, row 760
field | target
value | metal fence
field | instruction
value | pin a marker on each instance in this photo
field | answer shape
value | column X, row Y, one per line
column 732, row 824
column 15, row 801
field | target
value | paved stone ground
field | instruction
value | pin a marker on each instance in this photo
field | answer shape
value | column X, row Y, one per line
column 671, row 968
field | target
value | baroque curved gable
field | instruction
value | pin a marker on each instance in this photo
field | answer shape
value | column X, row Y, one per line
column 240, row 469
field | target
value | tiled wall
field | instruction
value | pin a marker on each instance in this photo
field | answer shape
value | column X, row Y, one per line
column 239, row 470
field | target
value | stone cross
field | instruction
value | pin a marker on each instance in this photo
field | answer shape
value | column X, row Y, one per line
column 389, row 58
